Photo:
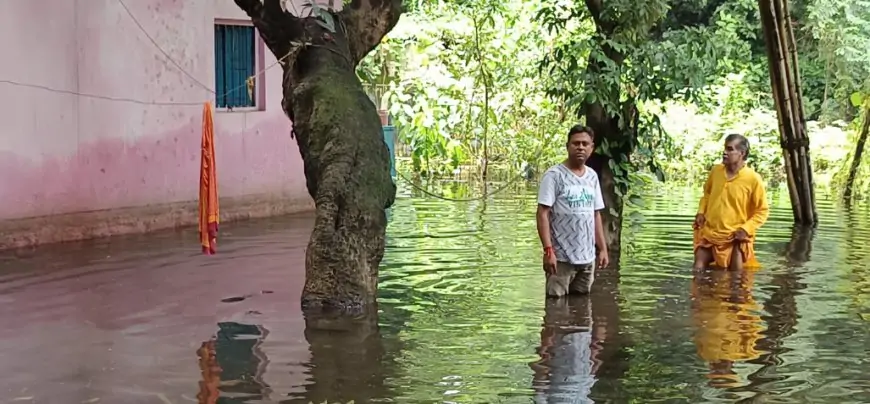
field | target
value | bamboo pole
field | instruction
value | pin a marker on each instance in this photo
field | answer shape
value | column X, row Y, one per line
column 801, row 136
column 786, row 88
column 774, row 59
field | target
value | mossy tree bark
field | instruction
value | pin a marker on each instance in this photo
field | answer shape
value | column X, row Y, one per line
column 339, row 134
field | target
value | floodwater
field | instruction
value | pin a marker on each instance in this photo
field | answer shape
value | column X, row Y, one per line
column 148, row 319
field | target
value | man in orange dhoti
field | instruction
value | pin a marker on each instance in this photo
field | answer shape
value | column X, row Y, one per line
column 732, row 209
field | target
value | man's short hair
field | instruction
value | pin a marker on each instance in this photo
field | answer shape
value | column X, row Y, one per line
column 581, row 129
column 742, row 143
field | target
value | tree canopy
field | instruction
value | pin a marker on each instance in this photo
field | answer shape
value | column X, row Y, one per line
column 477, row 79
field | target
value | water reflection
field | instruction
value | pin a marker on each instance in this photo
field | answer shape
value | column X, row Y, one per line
column 614, row 346
column 728, row 328
column 781, row 315
column 570, row 343
column 800, row 246
column 349, row 362
column 232, row 365
column 583, row 353
column 461, row 306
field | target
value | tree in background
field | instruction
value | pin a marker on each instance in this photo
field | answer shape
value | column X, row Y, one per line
column 671, row 78
column 461, row 82
column 636, row 53
column 864, row 101
column 841, row 30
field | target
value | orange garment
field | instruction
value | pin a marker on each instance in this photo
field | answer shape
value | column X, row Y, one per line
column 209, row 213
column 728, row 327
column 211, row 373
column 729, row 205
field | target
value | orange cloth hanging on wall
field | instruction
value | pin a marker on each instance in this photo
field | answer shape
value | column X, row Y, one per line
column 209, row 213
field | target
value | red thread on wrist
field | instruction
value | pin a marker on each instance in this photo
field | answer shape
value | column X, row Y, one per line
column 548, row 251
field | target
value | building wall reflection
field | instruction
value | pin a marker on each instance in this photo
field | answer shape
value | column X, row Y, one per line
column 233, row 364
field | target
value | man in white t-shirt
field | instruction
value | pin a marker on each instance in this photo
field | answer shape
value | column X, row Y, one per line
column 569, row 218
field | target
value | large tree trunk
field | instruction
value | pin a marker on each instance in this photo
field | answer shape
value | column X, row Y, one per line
column 337, row 128
column 856, row 156
column 785, row 82
column 610, row 130
column 607, row 130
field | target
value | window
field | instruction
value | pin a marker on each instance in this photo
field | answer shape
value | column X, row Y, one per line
column 235, row 61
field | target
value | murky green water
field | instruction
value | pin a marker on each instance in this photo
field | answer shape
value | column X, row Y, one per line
column 463, row 320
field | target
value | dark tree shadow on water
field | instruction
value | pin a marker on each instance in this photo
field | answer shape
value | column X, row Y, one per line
column 349, row 360
column 781, row 316
column 800, row 247
column 614, row 345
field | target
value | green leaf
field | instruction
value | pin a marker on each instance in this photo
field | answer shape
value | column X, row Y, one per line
column 635, row 200
column 618, row 173
column 591, row 98
column 857, row 99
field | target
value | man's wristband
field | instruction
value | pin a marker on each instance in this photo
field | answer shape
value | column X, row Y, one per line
column 548, row 251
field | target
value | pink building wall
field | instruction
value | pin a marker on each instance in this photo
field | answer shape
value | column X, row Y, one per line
column 65, row 153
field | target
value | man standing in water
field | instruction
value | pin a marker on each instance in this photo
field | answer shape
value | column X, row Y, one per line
column 732, row 209
column 569, row 219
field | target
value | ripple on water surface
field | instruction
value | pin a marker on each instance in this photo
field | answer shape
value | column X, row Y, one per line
column 148, row 319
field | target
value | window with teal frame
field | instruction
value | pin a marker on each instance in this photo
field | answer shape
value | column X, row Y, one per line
column 234, row 57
